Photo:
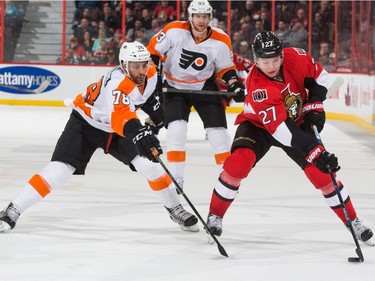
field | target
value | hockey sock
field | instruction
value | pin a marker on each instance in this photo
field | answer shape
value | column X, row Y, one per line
column 52, row 176
column 324, row 183
column 176, row 152
column 218, row 138
column 236, row 167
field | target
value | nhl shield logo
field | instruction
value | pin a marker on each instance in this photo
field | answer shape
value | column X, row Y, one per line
column 259, row 95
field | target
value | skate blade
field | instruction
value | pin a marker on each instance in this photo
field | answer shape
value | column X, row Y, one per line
column 4, row 227
column 369, row 243
column 193, row 228
column 210, row 240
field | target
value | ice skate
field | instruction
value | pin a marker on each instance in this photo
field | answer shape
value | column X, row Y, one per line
column 362, row 232
column 215, row 224
column 185, row 220
column 8, row 218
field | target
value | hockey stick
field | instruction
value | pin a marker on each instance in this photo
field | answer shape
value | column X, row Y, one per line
column 38, row 90
column 220, row 247
column 358, row 250
column 198, row 92
column 335, row 86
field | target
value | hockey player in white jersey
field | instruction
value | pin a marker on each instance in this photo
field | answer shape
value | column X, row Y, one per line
column 193, row 55
column 104, row 116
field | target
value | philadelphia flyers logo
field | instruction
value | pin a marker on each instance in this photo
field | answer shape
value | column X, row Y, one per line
column 198, row 61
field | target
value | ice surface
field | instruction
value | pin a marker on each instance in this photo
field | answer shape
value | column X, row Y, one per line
column 108, row 225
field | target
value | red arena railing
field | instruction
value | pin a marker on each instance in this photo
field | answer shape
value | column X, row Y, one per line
column 338, row 34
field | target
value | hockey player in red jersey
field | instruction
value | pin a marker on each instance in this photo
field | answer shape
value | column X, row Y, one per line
column 286, row 89
column 104, row 116
column 194, row 55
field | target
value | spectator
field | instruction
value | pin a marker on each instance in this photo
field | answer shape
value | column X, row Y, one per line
column 282, row 31
column 223, row 26
column 301, row 16
column 98, row 41
column 162, row 19
column 236, row 42
column 297, row 36
column 87, row 41
column 112, row 59
column 184, row 14
column 129, row 24
column 130, row 36
column 245, row 32
column 319, row 33
column 155, row 28
column 146, row 19
column 100, row 55
column 110, row 21
column 140, row 36
column 79, row 51
column 245, row 50
column 285, row 14
column 258, row 27
column 249, row 9
column 235, row 21
column 323, row 54
column 115, row 41
column 266, row 21
column 331, row 62
column 101, row 26
column 166, row 8
column 79, row 30
column 71, row 57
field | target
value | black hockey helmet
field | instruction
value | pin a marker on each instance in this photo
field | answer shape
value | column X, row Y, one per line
column 266, row 45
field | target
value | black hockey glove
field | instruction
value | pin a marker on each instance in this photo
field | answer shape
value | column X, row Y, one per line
column 144, row 141
column 238, row 88
column 156, row 113
column 154, row 128
column 314, row 114
column 322, row 158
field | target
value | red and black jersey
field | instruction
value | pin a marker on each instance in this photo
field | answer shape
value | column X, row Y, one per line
column 269, row 102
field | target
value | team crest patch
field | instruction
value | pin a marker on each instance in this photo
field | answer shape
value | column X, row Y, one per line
column 259, row 95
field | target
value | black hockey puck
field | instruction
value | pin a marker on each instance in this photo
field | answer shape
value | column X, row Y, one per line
column 353, row 259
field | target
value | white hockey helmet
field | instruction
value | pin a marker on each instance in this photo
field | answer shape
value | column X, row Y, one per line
column 199, row 7
column 133, row 51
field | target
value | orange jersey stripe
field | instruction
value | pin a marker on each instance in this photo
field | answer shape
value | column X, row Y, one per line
column 220, row 157
column 183, row 81
column 176, row 156
column 161, row 183
column 40, row 185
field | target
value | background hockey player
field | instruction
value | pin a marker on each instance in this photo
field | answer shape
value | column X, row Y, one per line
column 104, row 116
column 279, row 111
column 194, row 55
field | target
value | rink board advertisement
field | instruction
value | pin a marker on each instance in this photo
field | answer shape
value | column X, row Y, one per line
column 22, row 85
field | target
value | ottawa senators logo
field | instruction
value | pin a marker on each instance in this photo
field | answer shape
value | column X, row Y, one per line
column 293, row 103
column 198, row 61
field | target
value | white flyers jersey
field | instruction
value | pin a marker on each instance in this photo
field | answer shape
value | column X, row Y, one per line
column 112, row 101
column 187, row 64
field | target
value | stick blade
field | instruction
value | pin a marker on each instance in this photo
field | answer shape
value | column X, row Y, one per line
column 337, row 83
column 42, row 87
column 222, row 250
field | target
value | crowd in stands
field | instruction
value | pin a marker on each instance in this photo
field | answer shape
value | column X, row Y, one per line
column 97, row 27
column 14, row 18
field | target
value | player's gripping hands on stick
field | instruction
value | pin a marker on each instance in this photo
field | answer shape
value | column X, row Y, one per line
column 238, row 88
column 145, row 141
column 314, row 114
column 323, row 159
